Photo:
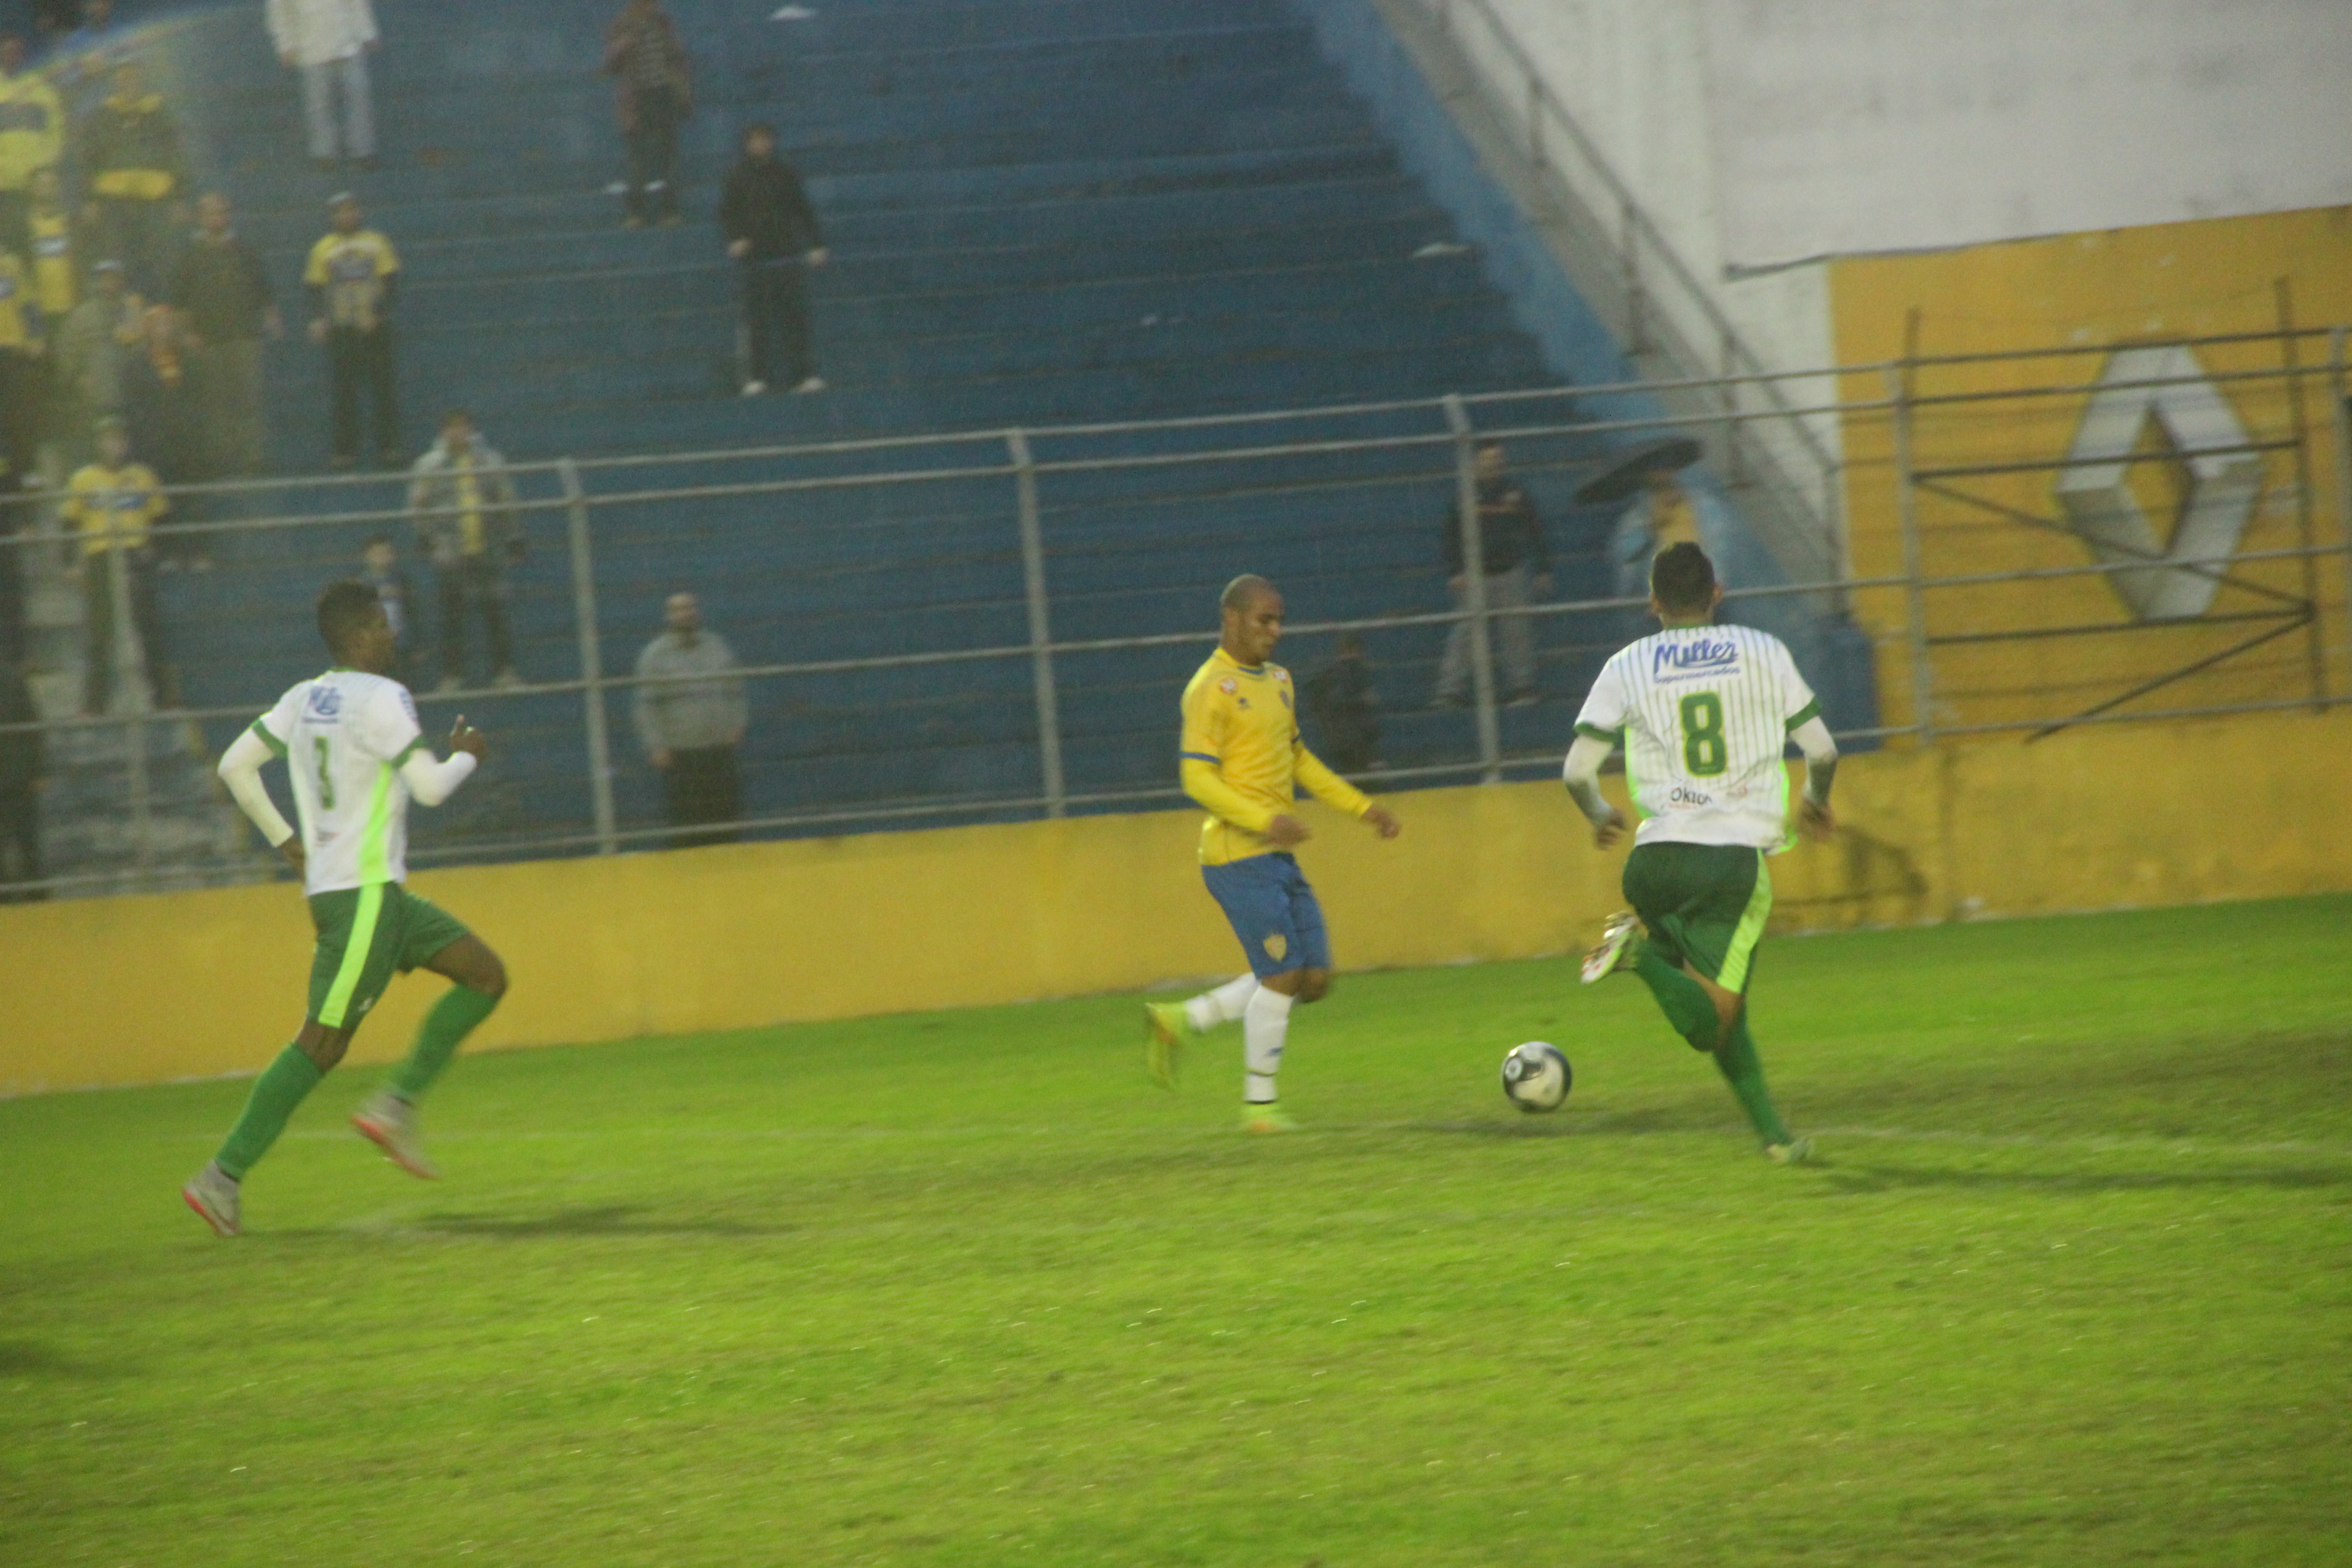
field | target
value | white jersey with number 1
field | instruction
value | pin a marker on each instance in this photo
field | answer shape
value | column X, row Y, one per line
column 1703, row 714
column 345, row 736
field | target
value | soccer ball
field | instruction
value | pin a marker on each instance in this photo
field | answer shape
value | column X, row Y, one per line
column 1534, row 1077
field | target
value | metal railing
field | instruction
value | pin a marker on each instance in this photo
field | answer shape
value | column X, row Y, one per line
column 994, row 624
column 1672, row 326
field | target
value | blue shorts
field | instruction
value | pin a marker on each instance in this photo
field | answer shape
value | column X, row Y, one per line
column 1273, row 912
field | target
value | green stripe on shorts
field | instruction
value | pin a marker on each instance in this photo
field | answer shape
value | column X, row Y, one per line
column 356, row 949
column 1733, row 975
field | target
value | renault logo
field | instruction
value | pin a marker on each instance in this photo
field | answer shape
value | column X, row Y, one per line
column 2223, row 479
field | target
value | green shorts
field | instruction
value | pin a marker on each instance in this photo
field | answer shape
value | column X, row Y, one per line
column 1704, row 903
column 366, row 935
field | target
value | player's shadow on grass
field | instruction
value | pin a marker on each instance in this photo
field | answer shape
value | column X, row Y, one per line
column 1608, row 1124
column 30, row 1358
column 1842, row 1178
column 610, row 1219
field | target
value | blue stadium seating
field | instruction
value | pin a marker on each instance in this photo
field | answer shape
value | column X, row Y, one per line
column 1042, row 212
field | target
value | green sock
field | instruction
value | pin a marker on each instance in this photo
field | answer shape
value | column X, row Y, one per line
column 1685, row 1001
column 1746, row 1075
column 452, row 1019
column 276, row 1093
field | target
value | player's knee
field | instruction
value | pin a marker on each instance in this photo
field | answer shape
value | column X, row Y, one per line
column 489, row 977
column 1314, row 984
column 323, row 1045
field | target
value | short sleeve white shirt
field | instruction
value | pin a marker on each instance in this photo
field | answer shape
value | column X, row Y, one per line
column 343, row 736
column 1703, row 714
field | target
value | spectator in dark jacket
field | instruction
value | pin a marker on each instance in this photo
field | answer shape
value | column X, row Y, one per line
column 653, row 94
column 129, row 152
column 771, row 231
column 1345, row 708
column 226, row 308
column 23, row 763
column 379, row 569
column 1517, row 562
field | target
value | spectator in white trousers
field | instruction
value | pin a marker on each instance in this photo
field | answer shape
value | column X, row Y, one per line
column 329, row 41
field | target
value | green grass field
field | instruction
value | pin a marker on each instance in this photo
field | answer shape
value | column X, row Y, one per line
column 2074, row 1286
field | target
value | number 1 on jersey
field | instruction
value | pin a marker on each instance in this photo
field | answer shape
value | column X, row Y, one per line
column 326, row 779
column 1705, row 752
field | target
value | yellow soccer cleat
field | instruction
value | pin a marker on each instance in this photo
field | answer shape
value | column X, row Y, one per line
column 1166, row 1029
column 1795, row 1151
column 1267, row 1118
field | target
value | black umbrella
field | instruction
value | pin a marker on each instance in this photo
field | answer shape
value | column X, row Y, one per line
column 1623, row 477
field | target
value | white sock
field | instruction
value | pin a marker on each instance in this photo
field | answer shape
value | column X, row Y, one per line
column 1223, row 1006
column 1264, row 1024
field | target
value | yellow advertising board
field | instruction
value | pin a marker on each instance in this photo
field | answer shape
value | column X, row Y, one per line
column 2041, row 440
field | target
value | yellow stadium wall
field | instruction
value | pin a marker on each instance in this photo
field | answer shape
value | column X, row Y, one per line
column 141, row 989
column 2099, row 291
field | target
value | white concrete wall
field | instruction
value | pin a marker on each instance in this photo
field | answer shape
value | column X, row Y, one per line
column 1851, row 126
column 1635, row 75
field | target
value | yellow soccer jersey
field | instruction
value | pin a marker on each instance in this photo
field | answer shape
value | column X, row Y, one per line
column 1242, row 757
column 53, row 261
column 19, row 312
column 350, row 269
column 112, row 506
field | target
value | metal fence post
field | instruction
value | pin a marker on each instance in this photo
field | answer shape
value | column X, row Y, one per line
column 1923, row 695
column 1630, row 259
column 1041, row 628
column 592, row 656
column 1474, row 586
column 2338, row 392
column 135, row 682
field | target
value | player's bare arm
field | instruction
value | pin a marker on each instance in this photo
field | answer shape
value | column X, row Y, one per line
column 1581, row 774
column 1814, row 815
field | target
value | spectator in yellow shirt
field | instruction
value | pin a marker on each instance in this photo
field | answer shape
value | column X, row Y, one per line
column 130, row 150
column 32, row 136
column 113, row 505
column 352, row 274
column 49, row 247
column 20, row 373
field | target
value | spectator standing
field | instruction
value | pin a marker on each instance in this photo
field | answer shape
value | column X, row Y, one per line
column 352, row 274
column 222, row 294
column 653, row 95
column 113, row 504
column 327, row 42
column 24, row 762
column 94, row 352
column 1345, row 709
column 87, row 57
column 1517, row 562
column 158, row 405
column 381, row 570
column 1662, row 515
column 771, row 231
column 32, row 137
column 21, row 348
column 463, row 499
column 129, row 153
column 50, row 246
column 691, row 718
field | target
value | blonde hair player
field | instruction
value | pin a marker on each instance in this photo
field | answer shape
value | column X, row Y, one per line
column 1242, row 761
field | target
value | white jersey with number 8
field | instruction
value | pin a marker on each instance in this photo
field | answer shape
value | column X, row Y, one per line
column 343, row 737
column 1703, row 714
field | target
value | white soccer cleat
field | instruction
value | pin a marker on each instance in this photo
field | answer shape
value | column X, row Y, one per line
column 212, row 1194
column 1795, row 1151
column 754, row 387
column 1616, row 937
column 390, row 1123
